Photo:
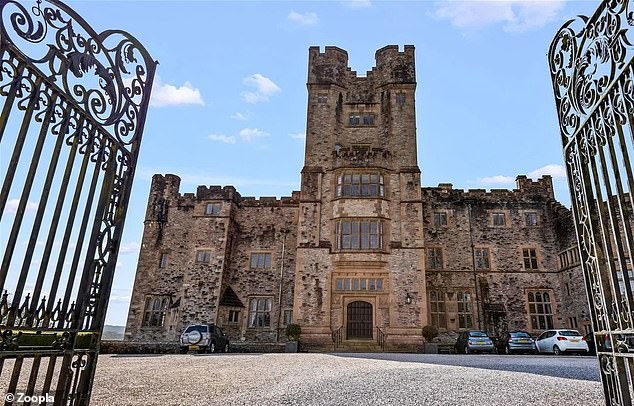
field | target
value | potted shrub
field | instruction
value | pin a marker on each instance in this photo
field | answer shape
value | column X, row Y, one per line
column 429, row 333
column 293, row 331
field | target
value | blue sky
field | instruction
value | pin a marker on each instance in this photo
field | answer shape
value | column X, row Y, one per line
column 229, row 104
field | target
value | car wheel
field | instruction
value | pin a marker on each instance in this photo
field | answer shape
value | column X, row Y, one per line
column 556, row 350
column 227, row 347
column 212, row 347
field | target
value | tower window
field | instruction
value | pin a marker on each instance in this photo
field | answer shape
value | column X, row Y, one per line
column 203, row 257
column 261, row 260
column 357, row 119
column 360, row 185
column 400, row 98
column 440, row 219
column 359, row 234
column 322, row 98
column 212, row 209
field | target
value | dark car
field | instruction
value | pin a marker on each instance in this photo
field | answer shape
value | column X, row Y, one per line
column 515, row 342
column 204, row 338
column 473, row 341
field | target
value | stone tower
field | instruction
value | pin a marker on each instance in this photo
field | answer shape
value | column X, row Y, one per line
column 360, row 255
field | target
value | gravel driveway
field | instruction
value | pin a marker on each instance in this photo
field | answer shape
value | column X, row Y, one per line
column 322, row 379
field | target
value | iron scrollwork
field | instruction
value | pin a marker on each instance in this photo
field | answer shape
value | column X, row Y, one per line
column 591, row 67
column 89, row 92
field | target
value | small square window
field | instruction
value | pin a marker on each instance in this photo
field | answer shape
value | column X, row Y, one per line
column 212, row 209
column 440, row 219
column 531, row 219
column 163, row 261
column 203, row 257
column 322, row 98
column 499, row 219
column 400, row 98
column 234, row 316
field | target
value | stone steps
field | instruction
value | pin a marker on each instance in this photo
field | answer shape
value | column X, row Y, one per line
column 359, row 346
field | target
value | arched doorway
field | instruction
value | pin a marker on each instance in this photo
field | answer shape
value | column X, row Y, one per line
column 359, row 324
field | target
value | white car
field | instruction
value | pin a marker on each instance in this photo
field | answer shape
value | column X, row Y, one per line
column 561, row 341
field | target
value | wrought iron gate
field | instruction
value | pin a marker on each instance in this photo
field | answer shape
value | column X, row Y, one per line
column 73, row 105
column 591, row 65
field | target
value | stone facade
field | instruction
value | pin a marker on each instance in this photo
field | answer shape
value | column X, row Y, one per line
column 362, row 249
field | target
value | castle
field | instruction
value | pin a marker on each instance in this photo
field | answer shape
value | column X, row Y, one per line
column 363, row 252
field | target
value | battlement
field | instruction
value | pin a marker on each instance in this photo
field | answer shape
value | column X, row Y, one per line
column 331, row 67
column 526, row 188
column 167, row 186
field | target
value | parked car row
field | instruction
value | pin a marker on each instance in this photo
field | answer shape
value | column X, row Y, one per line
column 559, row 341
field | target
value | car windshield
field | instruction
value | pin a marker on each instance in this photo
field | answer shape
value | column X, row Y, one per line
column 520, row 334
column 478, row 334
column 569, row 333
column 200, row 329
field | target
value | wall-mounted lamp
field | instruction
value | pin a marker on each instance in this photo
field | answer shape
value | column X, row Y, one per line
column 408, row 299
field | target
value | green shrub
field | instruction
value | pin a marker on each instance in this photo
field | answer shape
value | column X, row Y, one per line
column 429, row 333
column 293, row 331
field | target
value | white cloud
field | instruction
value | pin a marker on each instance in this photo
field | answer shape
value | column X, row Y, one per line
column 307, row 18
column 496, row 180
column 246, row 135
column 227, row 139
column 165, row 94
column 514, row 15
column 554, row 170
column 240, row 116
column 249, row 134
column 129, row 247
column 357, row 4
column 264, row 88
column 298, row 136
column 12, row 206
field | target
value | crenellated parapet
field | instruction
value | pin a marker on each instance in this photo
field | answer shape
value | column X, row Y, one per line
column 527, row 189
column 392, row 67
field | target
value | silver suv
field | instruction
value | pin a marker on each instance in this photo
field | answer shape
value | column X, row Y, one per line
column 204, row 338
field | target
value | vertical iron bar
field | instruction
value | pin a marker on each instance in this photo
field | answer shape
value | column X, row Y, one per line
column 8, row 103
column 17, row 150
column 15, row 377
column 82, row 232
column 26, row 192
column 90, row 262
column 69, row 225
column 35, row 368
column 50, row 370
column 56, row 215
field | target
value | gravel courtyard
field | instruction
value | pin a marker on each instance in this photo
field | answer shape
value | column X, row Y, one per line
column 322, row 379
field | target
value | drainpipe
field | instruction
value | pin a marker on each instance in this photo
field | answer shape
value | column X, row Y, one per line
column 279, row 299
column 475, row 276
